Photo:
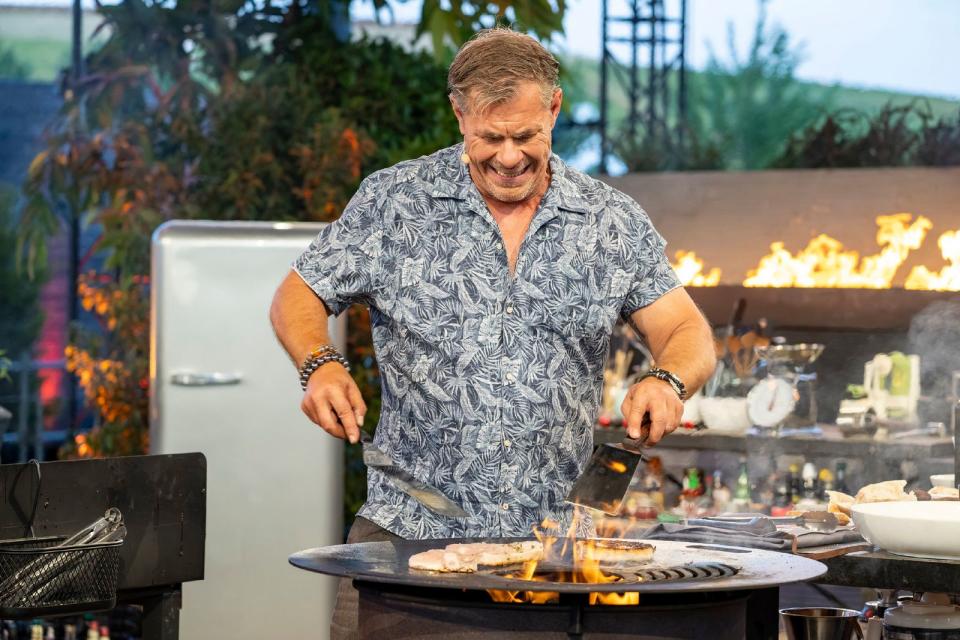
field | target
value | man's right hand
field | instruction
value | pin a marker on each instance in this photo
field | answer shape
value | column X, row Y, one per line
column 333, row 401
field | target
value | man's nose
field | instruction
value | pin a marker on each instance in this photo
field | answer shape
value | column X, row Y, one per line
column 509, row 155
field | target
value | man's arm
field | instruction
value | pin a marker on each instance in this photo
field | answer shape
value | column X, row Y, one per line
column 332, row 399
column 681, row 342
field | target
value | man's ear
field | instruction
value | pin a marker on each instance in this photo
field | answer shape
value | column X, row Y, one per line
column 459, row 115
column 555, row 102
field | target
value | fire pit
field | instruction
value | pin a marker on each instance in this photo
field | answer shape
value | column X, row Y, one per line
column 687, row 591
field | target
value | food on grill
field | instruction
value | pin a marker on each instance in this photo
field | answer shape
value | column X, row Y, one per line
column 466, row 557
column 606, row 550
column 888, row 491
column 944, row 493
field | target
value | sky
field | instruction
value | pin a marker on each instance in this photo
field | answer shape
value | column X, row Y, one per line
column 887, row 44
column 903, row 45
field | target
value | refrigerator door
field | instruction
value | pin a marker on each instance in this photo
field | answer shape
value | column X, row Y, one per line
column 222, row 385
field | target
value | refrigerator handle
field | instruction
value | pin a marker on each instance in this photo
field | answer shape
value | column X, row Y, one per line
column 211, row 379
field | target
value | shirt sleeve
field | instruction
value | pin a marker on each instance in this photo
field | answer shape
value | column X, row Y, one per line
column 653, row 276
column 343, row 264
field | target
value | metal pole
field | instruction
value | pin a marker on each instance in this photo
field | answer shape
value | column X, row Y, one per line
column 652, row 72
column 603, row 88
column 682, row 80
column 24, row 409
column 74, row 315
column 38, row 423
column 634, row 70
column 74, row 310
column 77, row 44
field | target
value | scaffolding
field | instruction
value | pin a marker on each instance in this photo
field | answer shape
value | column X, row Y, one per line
column 651, row 68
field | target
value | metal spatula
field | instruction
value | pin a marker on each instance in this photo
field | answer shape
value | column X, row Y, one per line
column 604, row 482
column 428, row 496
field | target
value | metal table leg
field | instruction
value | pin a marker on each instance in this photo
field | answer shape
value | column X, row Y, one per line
column 763, row 617
column 161, row 616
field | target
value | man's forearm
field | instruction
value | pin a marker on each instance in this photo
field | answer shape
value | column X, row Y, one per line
column 299, row 318
column 689, row 354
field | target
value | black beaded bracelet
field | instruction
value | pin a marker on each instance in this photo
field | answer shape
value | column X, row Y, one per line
column 317, row 358
column 669, row 378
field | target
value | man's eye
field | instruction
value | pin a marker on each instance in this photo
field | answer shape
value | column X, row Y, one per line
column 523, row 139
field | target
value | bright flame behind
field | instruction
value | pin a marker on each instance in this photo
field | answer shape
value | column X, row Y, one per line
column 586, row 570
column 689, row 269
column 949, row 277
column 825, row 262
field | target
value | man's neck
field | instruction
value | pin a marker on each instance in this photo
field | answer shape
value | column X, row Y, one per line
column 524, row 209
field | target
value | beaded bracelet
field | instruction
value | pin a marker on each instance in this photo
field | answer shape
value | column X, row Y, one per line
column 318, row 357
column 669, row 378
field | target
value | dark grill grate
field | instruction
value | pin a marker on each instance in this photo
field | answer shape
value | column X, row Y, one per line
column 692, row 571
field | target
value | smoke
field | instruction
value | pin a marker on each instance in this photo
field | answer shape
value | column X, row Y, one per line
column 934, row 335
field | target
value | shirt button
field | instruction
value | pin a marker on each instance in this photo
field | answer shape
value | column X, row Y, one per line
column 506, row 443
column 511, row 377
column 509, row 308
column 505, row 506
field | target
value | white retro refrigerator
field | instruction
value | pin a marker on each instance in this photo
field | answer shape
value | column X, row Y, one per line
column 222, row 385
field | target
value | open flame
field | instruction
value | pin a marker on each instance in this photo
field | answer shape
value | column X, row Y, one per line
column 586, row 569
column 949, row 277
column 826, row 263
column 689, row 268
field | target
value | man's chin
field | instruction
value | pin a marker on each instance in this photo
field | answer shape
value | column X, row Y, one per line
column 511, row 194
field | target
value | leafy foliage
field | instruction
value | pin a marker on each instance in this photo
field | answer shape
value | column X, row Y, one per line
column 453, row 23
column 740, row 111
column 749, row 107
column 899, row 135
column 11, row 66
column 20, row 315
column 111, row 365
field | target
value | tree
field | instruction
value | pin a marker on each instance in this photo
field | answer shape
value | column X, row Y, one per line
column 20, row 316
column 11, row 66
column 749, row 108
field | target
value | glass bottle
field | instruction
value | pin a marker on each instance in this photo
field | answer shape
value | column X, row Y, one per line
column 840, row 478
column 721, row 494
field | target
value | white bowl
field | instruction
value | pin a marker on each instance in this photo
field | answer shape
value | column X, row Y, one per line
column 919, row 529
column 942, row 480
column 725, row 416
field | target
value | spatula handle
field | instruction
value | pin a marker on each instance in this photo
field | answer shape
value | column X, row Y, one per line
column 637, row 444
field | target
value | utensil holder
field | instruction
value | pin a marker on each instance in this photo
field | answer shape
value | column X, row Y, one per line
column 39, row 578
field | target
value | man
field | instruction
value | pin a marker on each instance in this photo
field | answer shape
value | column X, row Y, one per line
column 494, row 276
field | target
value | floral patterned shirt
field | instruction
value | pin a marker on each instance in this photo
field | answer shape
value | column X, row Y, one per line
column 491, row 382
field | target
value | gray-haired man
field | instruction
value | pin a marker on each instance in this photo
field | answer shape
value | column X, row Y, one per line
column 494, row 275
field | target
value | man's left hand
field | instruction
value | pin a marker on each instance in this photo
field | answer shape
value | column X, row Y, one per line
column 657, row 398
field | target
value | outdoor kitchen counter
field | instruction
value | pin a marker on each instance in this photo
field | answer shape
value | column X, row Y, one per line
column 882, row 570
column 831, row 444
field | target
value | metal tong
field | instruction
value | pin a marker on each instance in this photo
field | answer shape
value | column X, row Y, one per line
column 37, row 578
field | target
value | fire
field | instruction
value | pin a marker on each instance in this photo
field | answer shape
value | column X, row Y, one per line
column 616, row 466
column 689, row 269
column 949, row 277
column 825, row 262
column 586, row 570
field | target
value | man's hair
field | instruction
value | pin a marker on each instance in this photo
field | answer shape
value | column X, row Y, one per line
column 489, row 67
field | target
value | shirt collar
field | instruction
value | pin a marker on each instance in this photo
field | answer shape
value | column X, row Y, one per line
column 453, row 181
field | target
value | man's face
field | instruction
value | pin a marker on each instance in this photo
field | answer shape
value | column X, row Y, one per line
column 509, row 145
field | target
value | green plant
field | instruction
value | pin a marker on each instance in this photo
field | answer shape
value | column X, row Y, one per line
column 897, row 135
column 647, row 153
column 11, row 66
column 20, row 315
column 749, row 107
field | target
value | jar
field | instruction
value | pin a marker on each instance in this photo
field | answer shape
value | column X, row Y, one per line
column 918, row 621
